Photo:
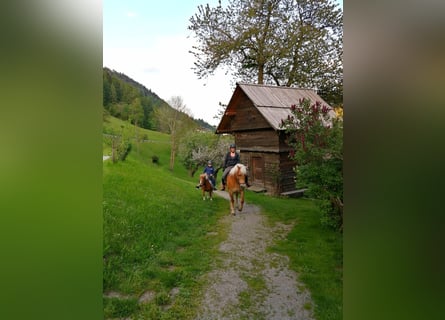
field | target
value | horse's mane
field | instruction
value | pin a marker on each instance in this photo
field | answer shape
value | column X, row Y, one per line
column 242, row 168
column 207, row 184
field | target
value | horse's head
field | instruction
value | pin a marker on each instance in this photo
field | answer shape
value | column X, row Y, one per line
column 202, row 179
column 240, row 174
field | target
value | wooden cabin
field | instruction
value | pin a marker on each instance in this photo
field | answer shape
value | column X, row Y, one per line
column 253, row 116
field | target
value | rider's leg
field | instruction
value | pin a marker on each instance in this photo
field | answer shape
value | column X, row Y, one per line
column 223, row 179
column 247, row 181
column 213, row 183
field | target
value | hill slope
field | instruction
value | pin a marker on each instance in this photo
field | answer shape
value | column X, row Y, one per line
column 121, row 93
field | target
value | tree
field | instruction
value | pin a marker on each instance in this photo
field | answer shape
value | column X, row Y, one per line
column 220, row 112
column 286, row 42
column 174, row 119
column 315, row 135
column 136, row 116
column 136, row 112
column 199, row 147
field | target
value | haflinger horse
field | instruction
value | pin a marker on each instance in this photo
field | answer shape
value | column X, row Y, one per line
column 236, row 182
column 205, row 185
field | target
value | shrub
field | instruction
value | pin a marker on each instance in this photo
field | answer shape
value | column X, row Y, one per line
column 316, row 141
column 123, row 150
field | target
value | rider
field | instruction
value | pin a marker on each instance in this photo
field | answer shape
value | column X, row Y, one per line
column 231, row 158
column 210, row 172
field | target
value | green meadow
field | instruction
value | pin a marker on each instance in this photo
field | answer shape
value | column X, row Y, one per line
column 160, row 237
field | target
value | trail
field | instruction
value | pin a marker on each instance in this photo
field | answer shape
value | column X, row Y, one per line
column 247, row 281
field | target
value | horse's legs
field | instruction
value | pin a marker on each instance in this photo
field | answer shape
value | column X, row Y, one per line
column 235, row 203
column 203, row 194
column 240, row 208
column 232, row 206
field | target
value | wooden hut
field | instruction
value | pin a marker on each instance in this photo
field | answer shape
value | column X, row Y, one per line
column 253, row 116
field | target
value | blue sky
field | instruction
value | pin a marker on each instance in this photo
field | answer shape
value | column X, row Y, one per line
column 149, row 42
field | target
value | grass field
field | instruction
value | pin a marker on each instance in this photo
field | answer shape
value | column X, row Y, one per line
column 158, row 234
column 160, row 237
column 156, row 239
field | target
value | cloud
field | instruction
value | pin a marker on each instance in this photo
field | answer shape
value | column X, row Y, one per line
column 131, row 14
column 165, row 68
column 151, row 70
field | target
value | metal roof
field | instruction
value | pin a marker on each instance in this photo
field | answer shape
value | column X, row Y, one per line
column 274, row 102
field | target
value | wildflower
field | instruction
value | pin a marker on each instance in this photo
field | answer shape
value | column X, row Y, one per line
column 324, row 109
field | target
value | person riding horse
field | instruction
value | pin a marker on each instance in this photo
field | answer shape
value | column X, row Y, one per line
column 231, row 158
column 210, row 172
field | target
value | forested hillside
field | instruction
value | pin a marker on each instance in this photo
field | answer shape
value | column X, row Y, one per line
column 126, row 99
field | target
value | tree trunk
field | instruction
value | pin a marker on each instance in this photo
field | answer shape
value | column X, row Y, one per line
column 172, row 154
column 192, row 172
column 113, row 149
column 261, row 74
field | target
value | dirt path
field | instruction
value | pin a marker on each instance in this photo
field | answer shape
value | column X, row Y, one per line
column 248, row 282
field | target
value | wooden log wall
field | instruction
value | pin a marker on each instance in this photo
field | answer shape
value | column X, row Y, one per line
column 277, row 175
column 246, row 116
column 261, row 140
column 288, row 178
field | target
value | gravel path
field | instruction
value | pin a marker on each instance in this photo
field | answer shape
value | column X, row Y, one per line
column 247, row 281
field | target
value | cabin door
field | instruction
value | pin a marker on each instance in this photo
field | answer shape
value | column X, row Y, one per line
column 257, row 169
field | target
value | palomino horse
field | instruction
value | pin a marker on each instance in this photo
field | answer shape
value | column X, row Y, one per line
column 236, row 182
column 205, row 186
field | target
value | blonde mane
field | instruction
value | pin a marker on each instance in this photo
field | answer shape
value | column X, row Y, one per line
column 242, row 168
column 235, row 186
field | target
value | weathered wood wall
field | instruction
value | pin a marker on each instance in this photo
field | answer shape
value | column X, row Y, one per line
column 246, row 116
column 288, row 182
column 277, row 174
column 266, row 140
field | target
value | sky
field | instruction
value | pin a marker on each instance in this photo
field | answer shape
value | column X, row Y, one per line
column 149, row 42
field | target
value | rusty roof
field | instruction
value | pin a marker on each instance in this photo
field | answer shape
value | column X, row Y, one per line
column 274, row 102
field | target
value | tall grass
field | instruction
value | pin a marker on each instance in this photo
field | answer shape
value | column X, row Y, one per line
column 315, row 253
column 159, row 235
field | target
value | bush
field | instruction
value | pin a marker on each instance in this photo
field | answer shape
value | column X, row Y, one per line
column 123, row 150
column 316, row 139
